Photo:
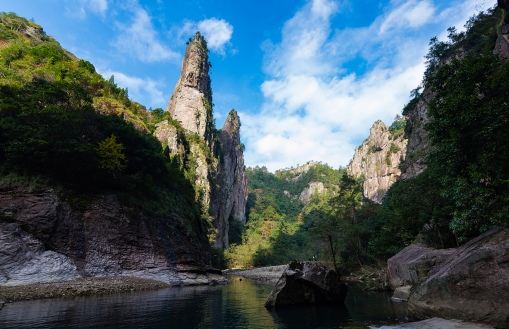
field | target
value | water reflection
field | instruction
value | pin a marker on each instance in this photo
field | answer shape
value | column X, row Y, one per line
column 239, row 305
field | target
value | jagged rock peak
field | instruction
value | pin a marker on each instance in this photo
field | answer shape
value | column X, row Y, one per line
column 191, row 101
column 230, row 196
column 378, row 159
column 303, row 169
column 232, row 123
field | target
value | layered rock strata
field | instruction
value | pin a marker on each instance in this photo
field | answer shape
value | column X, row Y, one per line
column 472, row 284
column 377, row 160
column 45, row 238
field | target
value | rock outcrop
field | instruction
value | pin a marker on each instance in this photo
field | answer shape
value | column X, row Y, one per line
column 307, row 193
column 377, row 160
column 307, row 283
column 46, row 237
column 418, row 141
column 472, row 284
column 412, row 264
column 191, row 101
column 304, row 168
column 230, row 196
column 502, row 45
column 214, row 157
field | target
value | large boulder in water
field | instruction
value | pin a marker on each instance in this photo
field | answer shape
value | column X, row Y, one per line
column 307, row 283
column 471, row 285
column 412, row 264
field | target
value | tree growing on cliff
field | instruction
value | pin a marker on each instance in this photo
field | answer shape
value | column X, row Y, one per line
column 112, row 158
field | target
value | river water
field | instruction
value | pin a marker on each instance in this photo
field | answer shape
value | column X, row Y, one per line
column 237, row 305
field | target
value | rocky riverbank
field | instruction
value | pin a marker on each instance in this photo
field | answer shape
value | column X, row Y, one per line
column 269, row 273
column 79, row 287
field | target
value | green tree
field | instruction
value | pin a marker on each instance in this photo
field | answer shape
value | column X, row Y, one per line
column 470, row 138
column 112, row 158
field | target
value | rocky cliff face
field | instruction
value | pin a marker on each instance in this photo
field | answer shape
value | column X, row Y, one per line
column 46, row 236
column 191, row 101
column 378, row 159
column 418, row 142
column 230, row 195
column 471, row 284
column 214, row 157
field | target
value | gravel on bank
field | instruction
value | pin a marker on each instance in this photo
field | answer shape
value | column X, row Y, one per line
column 268, row 273
column 79, row 287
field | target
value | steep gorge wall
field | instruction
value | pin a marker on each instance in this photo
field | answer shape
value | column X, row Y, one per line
column 230, row 196
column 50, row 236
column 377, row 160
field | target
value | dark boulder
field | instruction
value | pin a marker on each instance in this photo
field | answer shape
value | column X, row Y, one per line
column 412, row 264
column 471, row 285
column 307, row 283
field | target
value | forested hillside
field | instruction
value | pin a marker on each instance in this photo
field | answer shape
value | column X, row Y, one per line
column 455, row 171
column 68, row 134
column 278, row 221
column 63, row 123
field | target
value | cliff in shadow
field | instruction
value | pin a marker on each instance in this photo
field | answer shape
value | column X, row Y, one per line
column 85, row 188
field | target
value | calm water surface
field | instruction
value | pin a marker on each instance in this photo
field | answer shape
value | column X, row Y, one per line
column 238, row 305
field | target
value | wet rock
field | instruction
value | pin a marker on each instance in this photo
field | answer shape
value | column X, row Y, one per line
column 412, row 264
column 402, row 293
column 471, row 285
column 307, row 283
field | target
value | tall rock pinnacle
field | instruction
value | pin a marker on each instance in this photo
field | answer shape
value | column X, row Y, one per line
column 191, row 101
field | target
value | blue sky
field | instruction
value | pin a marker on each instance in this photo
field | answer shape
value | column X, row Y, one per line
column 309, row 78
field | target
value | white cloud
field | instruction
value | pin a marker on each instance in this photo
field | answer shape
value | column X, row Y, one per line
column 77, row 8
column 217, row 32
column 140, row 39
column 314, row 109
column 410, row 14
column 98, row 6
column 146, row 91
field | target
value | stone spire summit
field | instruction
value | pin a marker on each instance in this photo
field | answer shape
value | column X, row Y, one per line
column 191, row 101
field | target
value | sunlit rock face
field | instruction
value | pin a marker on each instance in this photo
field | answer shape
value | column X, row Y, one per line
column 378, row 160
column 191, row 101
column 214, row 156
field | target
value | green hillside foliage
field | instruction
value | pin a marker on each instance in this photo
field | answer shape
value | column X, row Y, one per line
column 65, row 126
column 463, row 192
column 470, row 136
column 277, row 227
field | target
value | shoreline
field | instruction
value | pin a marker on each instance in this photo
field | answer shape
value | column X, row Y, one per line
column 273, row 273
column 78, row 287
column 268, row 273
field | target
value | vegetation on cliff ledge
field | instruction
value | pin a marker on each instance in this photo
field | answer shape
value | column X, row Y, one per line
column 64, row 124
